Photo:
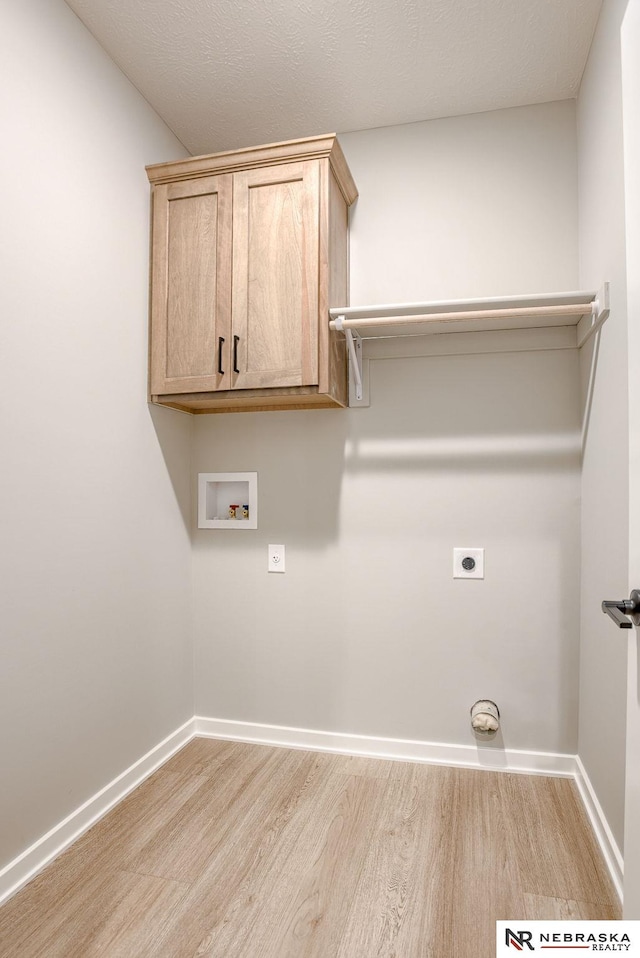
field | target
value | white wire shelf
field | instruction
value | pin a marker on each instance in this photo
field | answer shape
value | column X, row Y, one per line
column 584, row 308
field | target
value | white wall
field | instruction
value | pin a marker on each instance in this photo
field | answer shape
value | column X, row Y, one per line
column 605, row 513
column 94, row 491
column 367, row 632
column 467, row 206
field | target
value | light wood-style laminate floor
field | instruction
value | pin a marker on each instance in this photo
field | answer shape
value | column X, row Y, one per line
column 245, row 851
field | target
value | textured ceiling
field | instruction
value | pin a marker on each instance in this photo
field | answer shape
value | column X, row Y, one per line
column 230, row 73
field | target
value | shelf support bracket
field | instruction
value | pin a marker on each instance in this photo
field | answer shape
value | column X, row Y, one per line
column 354, row 348
column 354, row 345
column 591, row 323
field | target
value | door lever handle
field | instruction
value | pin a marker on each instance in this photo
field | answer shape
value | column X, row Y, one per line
column 626, row 612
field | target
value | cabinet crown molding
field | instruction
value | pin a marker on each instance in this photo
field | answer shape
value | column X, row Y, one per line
column 310, row 148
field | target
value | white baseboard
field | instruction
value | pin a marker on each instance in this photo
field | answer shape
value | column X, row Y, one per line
column 23, row 868
column 608, row 844
column 406, row 750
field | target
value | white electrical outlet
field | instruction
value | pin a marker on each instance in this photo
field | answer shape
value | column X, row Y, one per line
column 276, row 559
column 468, row 563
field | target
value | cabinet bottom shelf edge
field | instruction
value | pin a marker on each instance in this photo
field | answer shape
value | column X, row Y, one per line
column 206, row 404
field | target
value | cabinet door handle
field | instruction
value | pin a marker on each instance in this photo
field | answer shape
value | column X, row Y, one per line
column 220, row 345
column 236, row 340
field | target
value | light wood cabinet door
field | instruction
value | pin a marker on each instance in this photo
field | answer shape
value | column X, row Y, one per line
column 191, row 286
column 275, row 276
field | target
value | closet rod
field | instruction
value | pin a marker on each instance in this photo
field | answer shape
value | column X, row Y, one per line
column 575, row 309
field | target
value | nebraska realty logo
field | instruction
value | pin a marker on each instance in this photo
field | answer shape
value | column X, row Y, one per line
column 622, row 937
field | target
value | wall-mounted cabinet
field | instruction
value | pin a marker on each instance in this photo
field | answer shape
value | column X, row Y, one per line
column 249, row 252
